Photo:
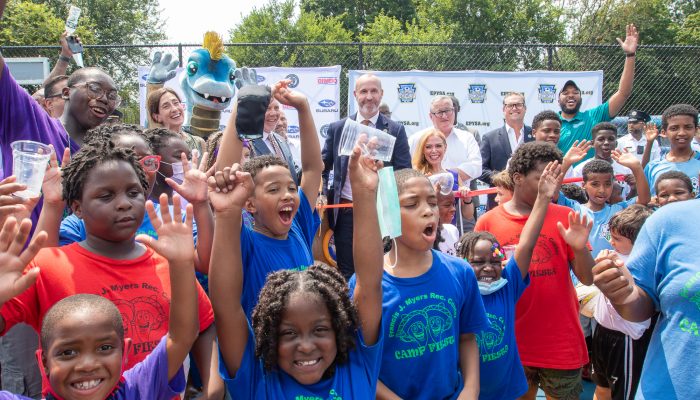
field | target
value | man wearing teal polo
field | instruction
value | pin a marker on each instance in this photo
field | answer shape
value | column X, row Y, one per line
column 577, row 125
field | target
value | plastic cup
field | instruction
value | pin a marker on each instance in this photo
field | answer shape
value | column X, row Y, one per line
column 29, row 160
column 445, row 179
column 375, row 144
column 509, row 251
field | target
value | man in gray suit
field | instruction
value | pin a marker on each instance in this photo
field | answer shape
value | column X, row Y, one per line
column 273, row 143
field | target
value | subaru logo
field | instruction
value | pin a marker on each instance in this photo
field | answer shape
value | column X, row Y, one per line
column 294, row 80
column 260, row 78
column 326, row 103
column 144, row 77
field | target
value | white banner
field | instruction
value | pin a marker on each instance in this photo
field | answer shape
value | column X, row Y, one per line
column 321, row 86
column 480, row 94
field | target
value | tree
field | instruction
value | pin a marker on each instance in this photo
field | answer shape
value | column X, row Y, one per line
column 357, row 15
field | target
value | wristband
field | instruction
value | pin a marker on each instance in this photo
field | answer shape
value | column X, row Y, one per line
column 470, row 201
column 64, row 58
column 630, row 54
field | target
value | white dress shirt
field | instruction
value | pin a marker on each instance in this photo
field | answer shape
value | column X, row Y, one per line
column 346, row 192
column 515, row 143
column 462, row 151
column 630, row 143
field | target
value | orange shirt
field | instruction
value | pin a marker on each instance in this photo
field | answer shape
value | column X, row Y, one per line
column 547, row 327
column 140, row 288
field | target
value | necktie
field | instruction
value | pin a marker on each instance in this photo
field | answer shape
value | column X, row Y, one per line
column 275, row 146
column 366, row 122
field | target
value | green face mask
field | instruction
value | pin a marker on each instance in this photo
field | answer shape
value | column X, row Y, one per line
column 388, row 209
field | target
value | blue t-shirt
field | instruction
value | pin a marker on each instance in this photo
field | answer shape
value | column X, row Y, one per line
column 354, row 379
column 501, row 372
column 658, row 167
column 599, row 238
column 665, row 262
column 580, row 126
column 262, row 254
column 424, row 318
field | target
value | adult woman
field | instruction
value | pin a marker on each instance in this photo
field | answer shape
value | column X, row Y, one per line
column 429, row 154
column 166, row 109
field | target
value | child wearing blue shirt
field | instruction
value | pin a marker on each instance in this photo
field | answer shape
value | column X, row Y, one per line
column 501, row 372
column 307, row 338
column 431, row 307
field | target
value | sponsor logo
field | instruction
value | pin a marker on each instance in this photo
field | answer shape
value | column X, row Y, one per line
column 477, row 93
column 294, row 79
column 324, row 132
column 144, row 77
column 441, row 93
column 407, row 92
column 477, row 123
column 409, row 123
column 547, row 93
column 292, row 129
column 260, row 78
column 327, row 80
column 326, row 103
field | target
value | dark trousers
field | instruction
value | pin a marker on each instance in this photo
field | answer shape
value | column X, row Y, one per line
column 342, row 235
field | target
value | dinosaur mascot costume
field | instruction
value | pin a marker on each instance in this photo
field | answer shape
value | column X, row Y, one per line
column 208, row 84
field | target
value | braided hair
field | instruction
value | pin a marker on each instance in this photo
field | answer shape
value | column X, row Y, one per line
column 108, row 133
column 90, row 156
column 465, row 247
column 158, row 138
column 325, row 282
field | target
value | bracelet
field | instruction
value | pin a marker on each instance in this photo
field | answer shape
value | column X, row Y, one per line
column 630, row 54
column 64, row 58
column 470, row 201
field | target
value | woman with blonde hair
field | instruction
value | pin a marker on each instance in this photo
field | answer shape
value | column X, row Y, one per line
column 429, row 154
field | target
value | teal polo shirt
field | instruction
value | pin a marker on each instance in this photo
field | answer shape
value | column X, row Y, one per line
column 580, row 126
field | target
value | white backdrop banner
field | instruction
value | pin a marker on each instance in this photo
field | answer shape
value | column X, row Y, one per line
column 321, row 86
column 480, row 93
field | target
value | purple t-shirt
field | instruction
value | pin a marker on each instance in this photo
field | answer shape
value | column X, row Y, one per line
column 147, row 380
column 22, row 118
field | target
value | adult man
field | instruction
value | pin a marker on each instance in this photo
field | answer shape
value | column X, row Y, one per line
column 368, row 94
column 459, row 125
column 272, row 143
column 281, row 130
column 54, row 104
column 462, row 149
column 635, row 141
column 384, row 110
column 499, row 144
column 576, row 125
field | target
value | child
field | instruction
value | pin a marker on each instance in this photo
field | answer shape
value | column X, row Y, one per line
column 431, row 307
column 504, row 187
column 285, row 219
column 679, row 124
column 82, row 336
column 547, row 329
column 574, row 192
column 308, row 340
column 598, row 176
column 672, row 186
column 546, row 127
column 449, row 234
column 502, row 375
column 106, row 186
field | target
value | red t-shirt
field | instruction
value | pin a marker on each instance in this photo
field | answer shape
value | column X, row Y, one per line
column 140, row 288
column 547, row 327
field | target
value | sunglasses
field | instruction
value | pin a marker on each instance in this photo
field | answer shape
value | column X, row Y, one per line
column 150, row 163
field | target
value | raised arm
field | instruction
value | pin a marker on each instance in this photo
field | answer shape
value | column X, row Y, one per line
column 231, row 147
column 547, row 187
column 63, row 58
column 176, row 245
column 628, row 160
column 650, row 134
column 54, row 205
column 576, row 153
column 311, row 162
column 228, row 191
column 576, row 236
column 624, row 90
column 367, row 248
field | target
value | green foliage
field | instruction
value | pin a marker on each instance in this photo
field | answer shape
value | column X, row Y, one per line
column 690, row 32
column 357, row 15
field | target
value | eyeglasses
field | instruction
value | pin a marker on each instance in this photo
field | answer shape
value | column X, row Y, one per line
column 443, row 113
column 514, row 106
column 150, row 163
column 95, row 91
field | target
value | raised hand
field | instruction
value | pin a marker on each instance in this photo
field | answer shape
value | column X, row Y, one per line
column 163, row 68
column 576, row 235
column 174, row 241
column 464, row 194
column 549, row 180
column 52, row 187
column 362, row 171
column 194, row 187
column 63, row 41
column 13, row 259
column 9, row 204
column 626, row 159
column 629, row 46
column 612, row 278
column 282, row 93
column 246, row 77
column 651, row 132
column 577, row 152
column 230, row 188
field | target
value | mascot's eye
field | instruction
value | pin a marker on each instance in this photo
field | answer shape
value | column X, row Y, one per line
column 232, row 75
column 192, row 68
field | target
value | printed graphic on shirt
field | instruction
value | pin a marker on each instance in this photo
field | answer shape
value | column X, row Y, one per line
column 546, row 250
column 423, row 324
column 332, row 395
column 490, row 340
column 605, row 232
column 691, row 292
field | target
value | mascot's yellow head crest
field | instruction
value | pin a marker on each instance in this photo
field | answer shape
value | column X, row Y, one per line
column 214, row 44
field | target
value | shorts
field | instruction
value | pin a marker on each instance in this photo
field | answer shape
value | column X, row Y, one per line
column 563, row 384
column 617, row 361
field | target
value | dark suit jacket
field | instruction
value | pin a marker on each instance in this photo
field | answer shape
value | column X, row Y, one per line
column 339, row 164
column 260, row 148
column 495, row 151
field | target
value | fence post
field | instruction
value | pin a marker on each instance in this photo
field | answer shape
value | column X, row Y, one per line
column 179, row 53
column 550, row 65
column 360, row 60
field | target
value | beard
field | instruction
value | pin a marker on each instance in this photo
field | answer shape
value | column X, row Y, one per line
column 573, row 110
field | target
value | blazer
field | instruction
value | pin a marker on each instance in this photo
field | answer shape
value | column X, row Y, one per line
column 496, row 151
column 260, row 148
column 338, row 165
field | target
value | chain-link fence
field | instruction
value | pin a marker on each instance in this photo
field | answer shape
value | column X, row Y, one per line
column 665, row 74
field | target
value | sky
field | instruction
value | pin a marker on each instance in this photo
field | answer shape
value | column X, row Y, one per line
column 187, row 20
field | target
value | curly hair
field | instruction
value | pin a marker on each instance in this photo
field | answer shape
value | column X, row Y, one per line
column 158, row 138
column 107, row 133
column 679, row 109
column 91, row 155
column 546, row 115
column 603, row 126
column 323, row 281
column 418, row 160
column 465, row 247
column 213, row 143
column 596, row 166
column 257, row 164
column 668, row 175
column 403, row 175
column 574, row 192
column 527, row 156
column 629, row 221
